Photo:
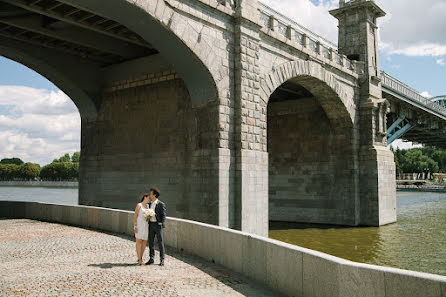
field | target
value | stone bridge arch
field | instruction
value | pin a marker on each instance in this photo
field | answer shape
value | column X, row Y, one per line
column 51, row 69
column 312, row 163
column 173, row 35
column 148, row 120
column 337, row 102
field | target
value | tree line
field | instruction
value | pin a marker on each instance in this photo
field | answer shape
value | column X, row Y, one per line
column 65, row 168
column 419, row 160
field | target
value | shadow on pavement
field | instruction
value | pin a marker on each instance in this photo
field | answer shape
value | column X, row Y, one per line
column 111, row 265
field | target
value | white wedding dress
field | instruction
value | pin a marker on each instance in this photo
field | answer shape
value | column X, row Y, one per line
column 141, row 224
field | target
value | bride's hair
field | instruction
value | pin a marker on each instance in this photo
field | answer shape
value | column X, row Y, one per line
column 143, row 196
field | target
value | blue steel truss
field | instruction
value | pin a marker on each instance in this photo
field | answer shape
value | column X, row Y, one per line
column 440, row 100
column 397, row 129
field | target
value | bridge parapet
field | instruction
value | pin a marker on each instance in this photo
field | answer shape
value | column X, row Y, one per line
column 291, row 30
column 410, row 94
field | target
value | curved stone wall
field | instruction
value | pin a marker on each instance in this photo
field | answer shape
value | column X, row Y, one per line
column 288, row 269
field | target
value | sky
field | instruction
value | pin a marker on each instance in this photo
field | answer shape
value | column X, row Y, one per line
column 38, row 122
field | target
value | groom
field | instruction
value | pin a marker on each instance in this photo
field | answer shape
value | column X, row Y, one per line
column 156, row 225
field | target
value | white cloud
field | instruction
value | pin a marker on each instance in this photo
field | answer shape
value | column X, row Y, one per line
column 41, row 101
column 404, row 145
column 426, row 94
column 38, row 125
column 426, row 49
column 414, row 29
column 440, row 62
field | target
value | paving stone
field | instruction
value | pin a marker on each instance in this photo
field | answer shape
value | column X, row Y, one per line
column 47, row 259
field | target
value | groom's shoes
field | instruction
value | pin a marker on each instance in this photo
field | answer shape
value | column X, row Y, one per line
column 150, row 262
column 162, row 263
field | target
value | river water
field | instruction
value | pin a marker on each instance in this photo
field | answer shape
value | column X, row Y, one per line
column 416, row 242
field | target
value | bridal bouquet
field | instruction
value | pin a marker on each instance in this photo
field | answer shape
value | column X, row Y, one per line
column 148, row 214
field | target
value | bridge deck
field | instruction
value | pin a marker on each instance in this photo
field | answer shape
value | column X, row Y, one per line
column 44, row 259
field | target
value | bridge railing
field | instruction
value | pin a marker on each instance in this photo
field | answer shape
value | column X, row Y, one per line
column 290, row 29
column 411, row 94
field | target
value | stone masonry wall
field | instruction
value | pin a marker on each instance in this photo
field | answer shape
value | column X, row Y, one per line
column 148, row 134
column 310, row 177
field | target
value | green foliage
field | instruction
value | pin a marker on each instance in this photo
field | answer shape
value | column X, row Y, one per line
column 57, row 171
column 8, row 171
column 75, row 158
column 15, row 161
column 63, row 168
column 397, row 162
column 28, row 171
column 63, row 159
column 418, row 160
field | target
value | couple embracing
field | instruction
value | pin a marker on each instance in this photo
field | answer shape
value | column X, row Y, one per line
column 148, row 221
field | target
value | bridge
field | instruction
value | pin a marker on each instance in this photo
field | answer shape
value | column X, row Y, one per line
column 412, row 116
column 237, row 113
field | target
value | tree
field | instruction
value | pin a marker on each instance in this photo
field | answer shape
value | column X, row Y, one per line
column 15, row 161
column 64, row 158
column 58, row 171
column 414, row 161
column 75, row 158
column 28, row 171
column 397, row 162
column 9, row 171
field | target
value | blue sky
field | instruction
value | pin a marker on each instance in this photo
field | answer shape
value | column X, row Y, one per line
column 38, row 122
column 12, row 73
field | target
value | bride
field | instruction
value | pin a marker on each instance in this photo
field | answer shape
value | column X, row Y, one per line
column 141, row 227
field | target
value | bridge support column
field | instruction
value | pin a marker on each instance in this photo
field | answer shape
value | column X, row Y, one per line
column 251, row 184
column 358, row 41
column 377, row 186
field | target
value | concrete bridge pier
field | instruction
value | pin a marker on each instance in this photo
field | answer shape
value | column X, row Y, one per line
column 251, row 206
column 358, row 40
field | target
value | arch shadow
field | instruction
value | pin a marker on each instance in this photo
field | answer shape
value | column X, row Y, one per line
column 312, row 166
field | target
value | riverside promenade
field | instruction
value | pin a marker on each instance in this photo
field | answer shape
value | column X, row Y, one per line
column 65, row 261
column 48, row 259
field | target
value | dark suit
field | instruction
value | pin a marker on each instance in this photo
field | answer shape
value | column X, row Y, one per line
column 156, row 229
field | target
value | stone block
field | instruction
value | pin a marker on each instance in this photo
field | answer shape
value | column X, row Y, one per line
column 130, row 231
column 171, row 233
column 93, row 218
column 187, row 239
column 411, row 284
column 13, row 210
column 33, row 211
column 255, row 258
column 284, row 268
column 358, row 280
column 115, row 221
column 320, row 275
column 105, row 219
column 65, row 218
column 230, row 252
column 123, row 221
column 55, row 213
column 74, row 216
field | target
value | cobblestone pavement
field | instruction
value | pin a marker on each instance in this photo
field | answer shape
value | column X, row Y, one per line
column 46, row 259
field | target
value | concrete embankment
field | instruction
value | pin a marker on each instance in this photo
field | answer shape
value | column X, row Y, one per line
column 59, row 184
column 288, row 269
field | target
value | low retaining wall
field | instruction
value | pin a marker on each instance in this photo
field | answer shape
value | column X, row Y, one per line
column 17, row 183
column 285, row 268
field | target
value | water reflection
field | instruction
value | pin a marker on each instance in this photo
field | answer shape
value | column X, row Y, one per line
column 416, row 242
